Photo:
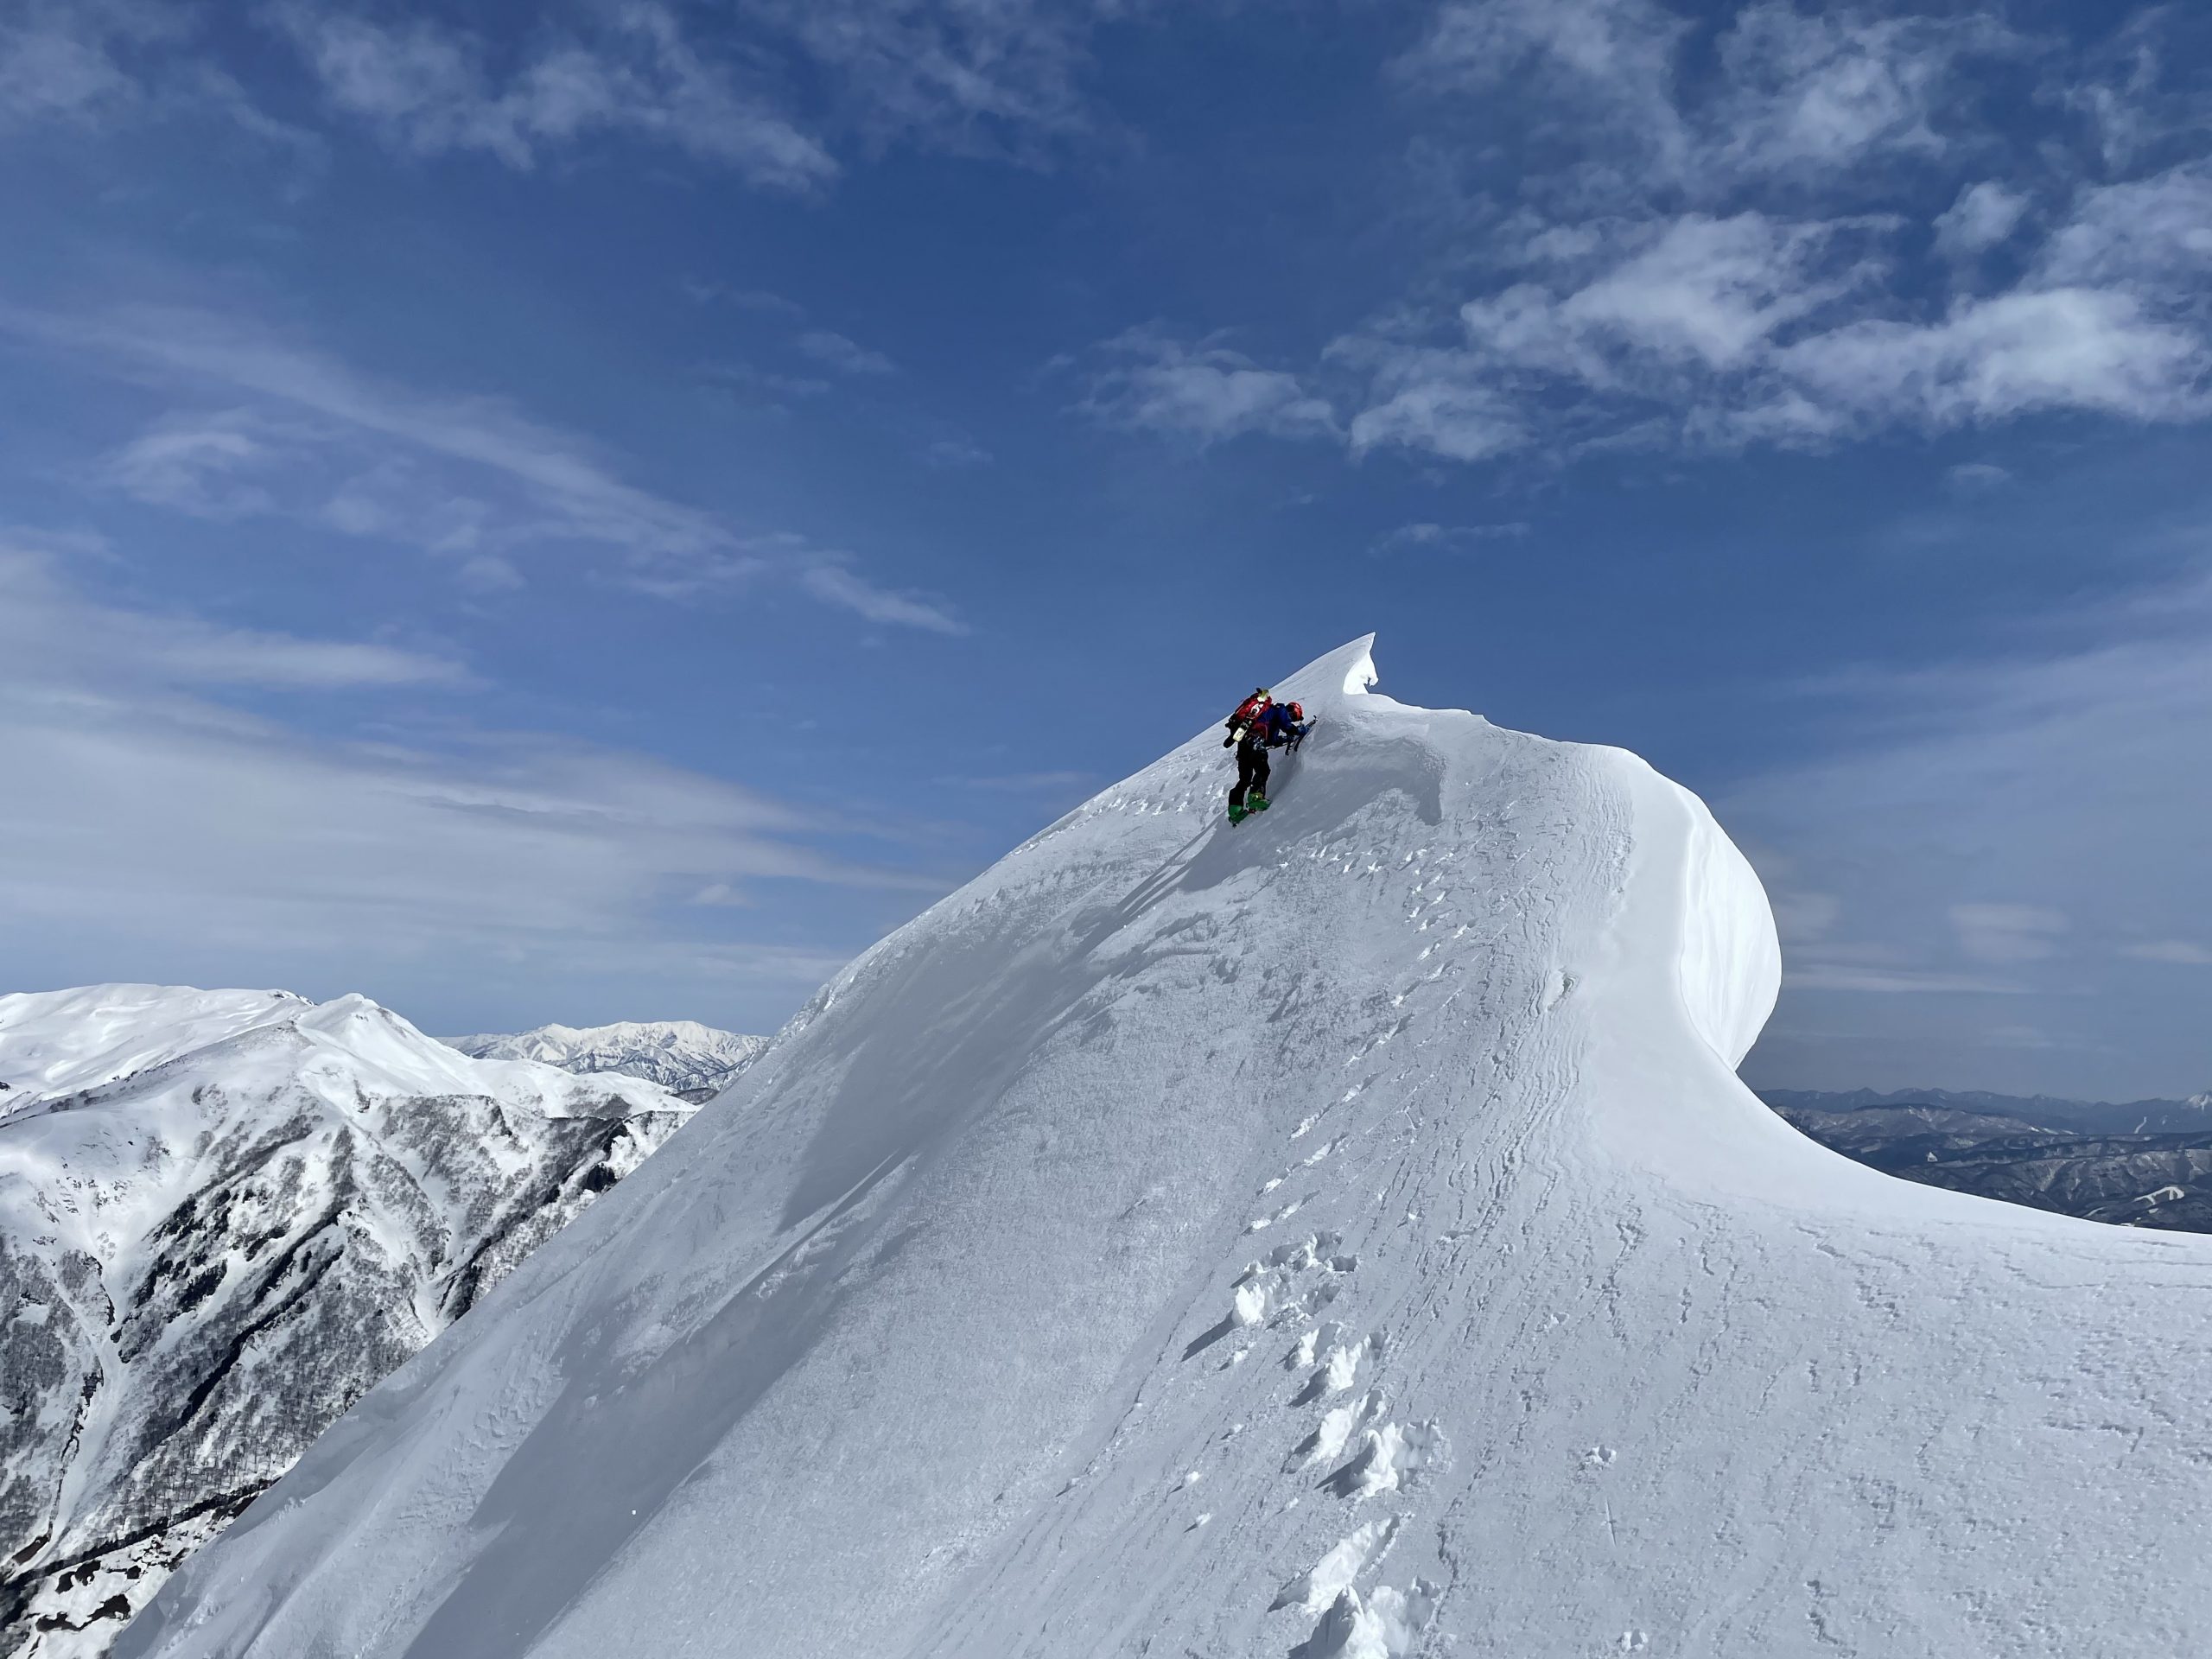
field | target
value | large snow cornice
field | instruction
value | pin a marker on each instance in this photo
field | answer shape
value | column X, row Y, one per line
column 1342, row 1234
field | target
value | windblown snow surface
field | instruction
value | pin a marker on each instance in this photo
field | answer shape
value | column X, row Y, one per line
column 1344, row 1234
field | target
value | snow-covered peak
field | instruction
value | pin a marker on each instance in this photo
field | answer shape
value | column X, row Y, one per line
column 681, row 1055
column 1341, row 1234
column 223, row 1216
column 53, row 1042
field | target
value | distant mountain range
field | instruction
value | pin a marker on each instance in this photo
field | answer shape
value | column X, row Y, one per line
column 692, row 1060
column 2048, row 1111
column 223, row 1216
column 2144, row 1163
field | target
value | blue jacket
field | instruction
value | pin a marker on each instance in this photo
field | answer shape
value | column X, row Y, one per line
column 1274, row 727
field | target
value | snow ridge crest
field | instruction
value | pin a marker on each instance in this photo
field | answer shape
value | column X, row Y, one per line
column 1341, row 1234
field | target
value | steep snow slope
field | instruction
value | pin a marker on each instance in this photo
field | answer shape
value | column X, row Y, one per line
column 223, row 1216
column 1342, row 1234
column 683, row 1057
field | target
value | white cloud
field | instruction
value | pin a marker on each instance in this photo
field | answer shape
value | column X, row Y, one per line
column 2021, row 821
column 1821, row 91
column 1681, row 259
column 203, row 465
column 100, row 64
column 2001, row 934
column 1990, row 360
column 1804, row 917
column 52, row 638
column 1973, row 478
column 1606, row 62
column 955, row 451
column 1438, row 402
column 1795, row 94
column 1985, row 215
column 1688, row 315
column 2153, row 234
column 985, row 77
column 844, row 355
column 1712, row 292
column 427, row 90
column 1749, row 330
column 67, row 61
column 991, row 78
column 1894, row 982
column 471, row 478
column 1447, row 537
column 743, row 299
column 2132, row 107
column 156, row 822
column 830, row 580
column 767, row 386
column 2182, row 952
column 488, row 573
column 1203, row 393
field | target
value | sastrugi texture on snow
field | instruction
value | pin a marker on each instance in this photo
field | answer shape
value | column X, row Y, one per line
column 224, row 1215
column 1342, row 1234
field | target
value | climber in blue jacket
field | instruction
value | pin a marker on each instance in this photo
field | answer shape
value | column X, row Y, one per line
column 1255, row 731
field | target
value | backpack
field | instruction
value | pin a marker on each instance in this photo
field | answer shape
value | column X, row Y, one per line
column 1249, row 710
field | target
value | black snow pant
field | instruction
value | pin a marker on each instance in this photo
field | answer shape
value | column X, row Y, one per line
column 1251, row 772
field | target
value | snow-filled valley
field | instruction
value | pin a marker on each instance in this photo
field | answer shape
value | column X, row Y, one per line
column 224, row 1215
column 1341, row 1234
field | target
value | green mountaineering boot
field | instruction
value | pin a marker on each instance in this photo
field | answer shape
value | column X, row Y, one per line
column 1255, row 803
column 1238, row 814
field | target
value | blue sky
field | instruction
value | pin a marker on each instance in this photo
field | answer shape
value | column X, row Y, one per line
column 601, row 516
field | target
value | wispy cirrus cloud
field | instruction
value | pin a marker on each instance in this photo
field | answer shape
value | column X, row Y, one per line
column 1985, row 215
column 1000, row 78
column 470, row 478
column 1199, row 393
column 2185, row 953
column 1449, row 538
column 742, row 299
column 206, row 464
column 1773, row 227
column 177, row 828
column 2003, row 934
column 77, row 62
column 428, row 89
column 847, row 357
column 93, row 65
column 52, row 635
column 1796, row 94
column 2020, row 824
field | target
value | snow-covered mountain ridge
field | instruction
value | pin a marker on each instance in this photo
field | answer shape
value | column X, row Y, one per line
column 223, row 1216
column 1343, row 1236
column 683, row 1057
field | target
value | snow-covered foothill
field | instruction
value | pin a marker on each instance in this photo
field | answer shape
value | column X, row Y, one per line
column 1343, row 1235
column 223, row 1216
column 682, row 1055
